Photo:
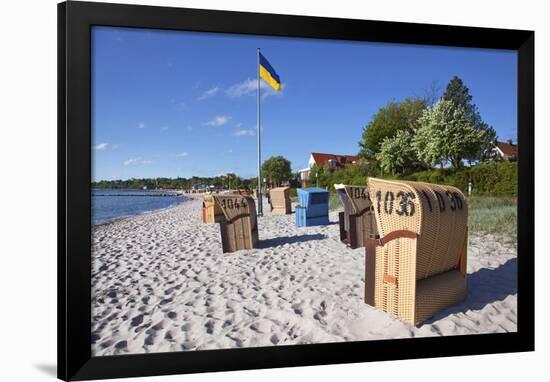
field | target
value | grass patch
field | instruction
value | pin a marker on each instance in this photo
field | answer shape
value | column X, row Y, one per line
column 493, row 215
column 334, row 202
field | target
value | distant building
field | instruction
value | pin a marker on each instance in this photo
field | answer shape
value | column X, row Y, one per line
column 507, row 150
column 329, row 161
column 200, row 186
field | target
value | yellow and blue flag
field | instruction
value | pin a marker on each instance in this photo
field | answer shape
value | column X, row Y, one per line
column 268, row 74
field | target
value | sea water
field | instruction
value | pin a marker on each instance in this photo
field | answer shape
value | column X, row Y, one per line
column 110, row 204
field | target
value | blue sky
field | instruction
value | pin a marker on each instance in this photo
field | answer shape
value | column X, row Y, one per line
column 169, row 103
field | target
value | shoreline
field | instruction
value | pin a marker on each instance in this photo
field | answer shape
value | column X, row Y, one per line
column 119, row 218
column 160, row 282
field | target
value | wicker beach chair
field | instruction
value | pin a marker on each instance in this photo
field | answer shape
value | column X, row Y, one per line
column 211, row 211
column 279, row 199
column 357, row 221
column 417, row 266
column 239, row 230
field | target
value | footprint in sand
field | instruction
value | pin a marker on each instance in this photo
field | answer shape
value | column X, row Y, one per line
column 137, row 320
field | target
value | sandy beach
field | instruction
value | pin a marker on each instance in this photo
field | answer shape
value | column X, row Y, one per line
column 160, row 282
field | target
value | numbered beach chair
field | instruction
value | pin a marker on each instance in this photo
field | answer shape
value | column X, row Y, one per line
column 279, row 199
column 239, row 230
column 357, row 221
column 211, row 211
column 417, row 266
column 313, row 207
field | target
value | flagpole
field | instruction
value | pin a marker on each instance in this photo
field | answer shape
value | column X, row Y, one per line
column 259, row 191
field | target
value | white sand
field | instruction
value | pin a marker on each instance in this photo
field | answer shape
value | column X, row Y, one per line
column 160, row 282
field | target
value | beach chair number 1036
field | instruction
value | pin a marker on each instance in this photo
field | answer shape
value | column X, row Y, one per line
column 405, row 202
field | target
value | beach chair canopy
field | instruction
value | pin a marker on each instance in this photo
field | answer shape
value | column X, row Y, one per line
column 235, row 206
column 436, row 213
column 311, row 196
column 355, row 199
column 357, row 222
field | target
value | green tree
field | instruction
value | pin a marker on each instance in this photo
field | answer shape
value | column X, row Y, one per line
column 459, row 94
column 320, row 176
column 388, row 121
column 230, row 177
column 354, row 174
column 237, row 183
column 397, row 153
column 277, row 169
column 446, row 134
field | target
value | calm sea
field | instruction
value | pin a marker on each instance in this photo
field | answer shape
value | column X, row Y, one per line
column 108, row 205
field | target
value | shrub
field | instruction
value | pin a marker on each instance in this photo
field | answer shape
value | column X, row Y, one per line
column 488, row 179
column 429, row 176
column 495, row 179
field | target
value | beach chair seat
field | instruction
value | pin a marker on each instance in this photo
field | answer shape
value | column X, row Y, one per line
column 357, row 221
column 417, row 266
column 239, row 230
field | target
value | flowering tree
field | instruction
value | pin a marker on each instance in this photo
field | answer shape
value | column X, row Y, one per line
column 446, row 134
column 397, row 153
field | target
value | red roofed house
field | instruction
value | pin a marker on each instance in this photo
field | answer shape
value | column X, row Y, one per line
column 507, row 150
column 330, row 161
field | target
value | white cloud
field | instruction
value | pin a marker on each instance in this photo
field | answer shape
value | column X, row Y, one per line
column 182, row 154
column 219, row 120
column 130, row 161
column 245, row 133
column 242, row 88
column 115, row 146
column 136, row 161
column 141, row 125
column 209, row 93
column 101, row 146
column 250, row 87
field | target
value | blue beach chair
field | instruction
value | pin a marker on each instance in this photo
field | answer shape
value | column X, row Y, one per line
column 313, row 207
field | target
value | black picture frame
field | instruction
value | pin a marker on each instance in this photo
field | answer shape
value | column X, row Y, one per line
column 75, row 20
